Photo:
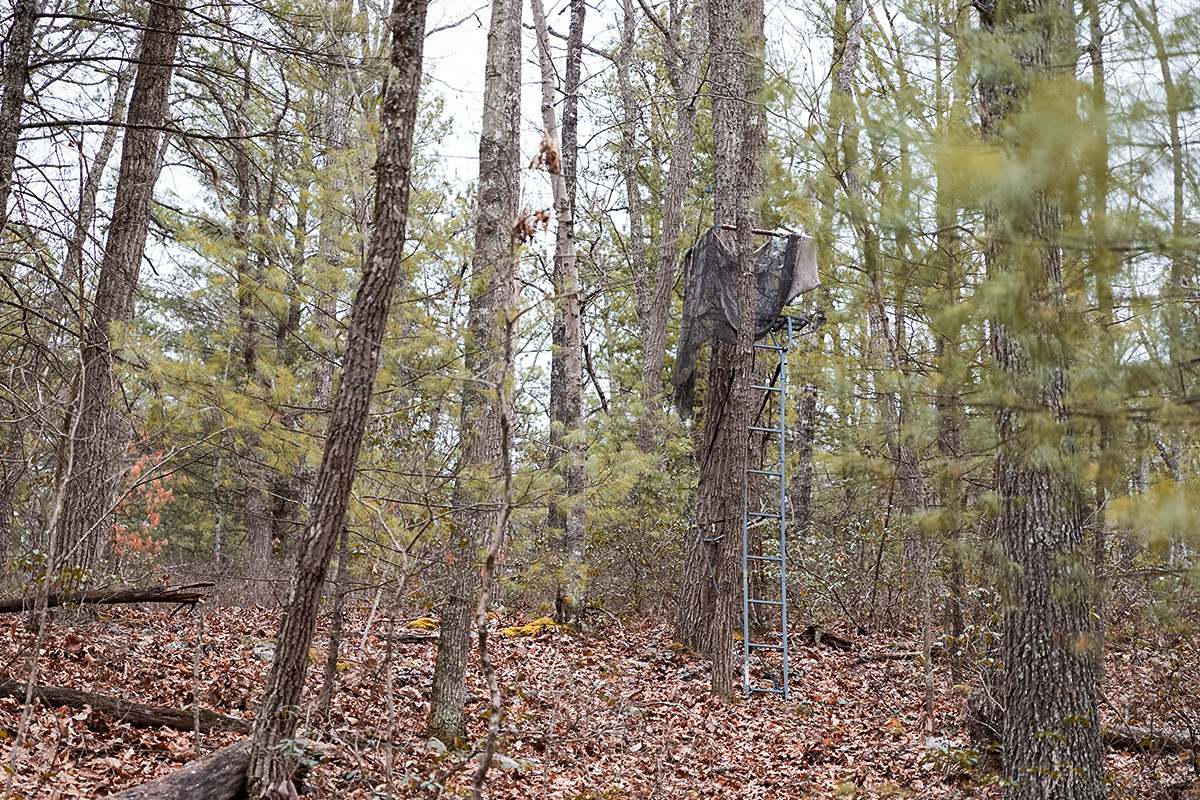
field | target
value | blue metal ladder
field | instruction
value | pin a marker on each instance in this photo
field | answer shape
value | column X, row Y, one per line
column 769, row 655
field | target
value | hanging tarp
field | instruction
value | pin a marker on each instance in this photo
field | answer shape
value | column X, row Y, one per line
column 785, row 268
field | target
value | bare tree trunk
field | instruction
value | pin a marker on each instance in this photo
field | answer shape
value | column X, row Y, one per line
column 269, row 772
column 946, row 480
column 572, row 510
column 1176, row 293
column 1105, row 264
column 492, row 557
column 627, row 160
column 73, row 266
column 492, row 291
column 329, row 253
column 16, row 75
column 86, row 502
column 256, row 507
column 800, row 492
column 12, row 469
column 698, row 587
column 679, row 175
column 1051, row 731
column 739, row 135
column 329, row 262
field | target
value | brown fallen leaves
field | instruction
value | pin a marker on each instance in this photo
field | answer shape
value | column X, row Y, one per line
column 620, row 714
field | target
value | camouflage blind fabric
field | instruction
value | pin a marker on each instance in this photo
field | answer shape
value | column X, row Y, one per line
column 785, row 268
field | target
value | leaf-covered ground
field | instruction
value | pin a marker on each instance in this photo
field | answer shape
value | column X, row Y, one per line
column 620, row 713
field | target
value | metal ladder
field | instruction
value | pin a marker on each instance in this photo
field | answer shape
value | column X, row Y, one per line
column 768, row 654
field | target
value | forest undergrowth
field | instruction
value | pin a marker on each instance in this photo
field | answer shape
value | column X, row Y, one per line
column 620, row 712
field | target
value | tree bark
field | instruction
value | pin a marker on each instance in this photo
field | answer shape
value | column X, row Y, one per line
column 571, row 510
column 1051, row 728
column 679, row 176
column 381, row 276
column 89, row 488
column 739, row 134
column 329, row 252
column 16, row 75
column 628, row 162
column 217, row 776
column 254, row 473
column 329, row 681
column 476, row 484
column 1111, row 462
column 1180, row 356
column 800, row 492
column 73, row 264
column 329, row 262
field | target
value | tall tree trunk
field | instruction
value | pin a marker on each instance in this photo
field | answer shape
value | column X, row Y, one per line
column 1105, row 263
column 799, row 496
column 1051, row 732
column 19, row 44
column 476, row 484
column 13, row 461
column 16, row 75
column 73, row 265
column 739, row 135
column 568, row 428
column 329, row 252
column 1175, row 293
column 256, row 508
column 89, row 490
column 679, row 175
column 329, row 263
column 628, row 163
column 269, row 770
column 948, row 328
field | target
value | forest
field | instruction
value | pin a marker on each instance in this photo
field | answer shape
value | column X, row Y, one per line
column 599, row 398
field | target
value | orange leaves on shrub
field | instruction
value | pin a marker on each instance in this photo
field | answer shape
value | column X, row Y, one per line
column 148, row 497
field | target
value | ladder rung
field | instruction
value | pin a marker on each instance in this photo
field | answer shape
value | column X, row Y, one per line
column 766, row 430
column 766, row 388
column 765, row 690
column 762, row 515
column 714, row 540
column 765, row 602
column 775, row 347
column 763, row 646
column 776, row 473
column 774, row 559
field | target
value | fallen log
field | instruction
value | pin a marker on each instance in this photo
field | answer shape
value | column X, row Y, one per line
column 935, row 652
column 217, row 776
column 137, row 714
column 187, row 594
column 816, row 635
column 1141, row 739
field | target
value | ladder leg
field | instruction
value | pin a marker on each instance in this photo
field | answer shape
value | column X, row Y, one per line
column 772, row 657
